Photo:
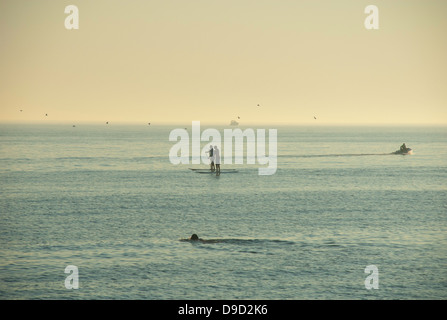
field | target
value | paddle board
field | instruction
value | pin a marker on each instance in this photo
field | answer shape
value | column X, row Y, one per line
column 209, row 171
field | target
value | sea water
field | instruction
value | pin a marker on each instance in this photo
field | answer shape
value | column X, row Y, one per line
column 107, row 200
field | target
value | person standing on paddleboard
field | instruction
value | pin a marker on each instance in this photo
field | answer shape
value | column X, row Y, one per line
column 217, row 160
column 211, row 156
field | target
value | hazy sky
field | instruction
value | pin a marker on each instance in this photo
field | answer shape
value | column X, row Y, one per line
column 163, row 61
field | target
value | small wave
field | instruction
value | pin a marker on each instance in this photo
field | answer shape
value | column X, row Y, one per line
column 16, row 159
column 246, row 242
column 74, row 158
column 109, row 158
column 333, row 155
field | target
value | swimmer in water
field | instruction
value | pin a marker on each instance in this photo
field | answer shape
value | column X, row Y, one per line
column 194, row 237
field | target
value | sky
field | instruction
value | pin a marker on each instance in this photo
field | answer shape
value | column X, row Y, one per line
column 177, row 61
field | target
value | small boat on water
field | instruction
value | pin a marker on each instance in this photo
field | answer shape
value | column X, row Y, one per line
column 404, row 150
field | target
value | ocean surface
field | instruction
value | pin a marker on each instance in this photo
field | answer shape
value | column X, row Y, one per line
column 107, row 199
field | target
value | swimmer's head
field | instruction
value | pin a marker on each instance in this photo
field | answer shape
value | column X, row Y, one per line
column 194, row 237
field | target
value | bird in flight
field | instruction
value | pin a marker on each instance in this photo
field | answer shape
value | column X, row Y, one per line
column 315, row 118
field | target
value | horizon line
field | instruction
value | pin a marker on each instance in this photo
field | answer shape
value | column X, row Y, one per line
column 207, row 123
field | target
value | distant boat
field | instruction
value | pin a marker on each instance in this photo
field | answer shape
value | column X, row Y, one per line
column 234, row 123
column 404, row 150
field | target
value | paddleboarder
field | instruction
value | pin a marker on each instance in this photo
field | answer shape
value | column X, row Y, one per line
column 217, row 160
column 211, row 157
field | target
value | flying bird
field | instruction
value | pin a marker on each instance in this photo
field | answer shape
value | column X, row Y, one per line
column 315, row 118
